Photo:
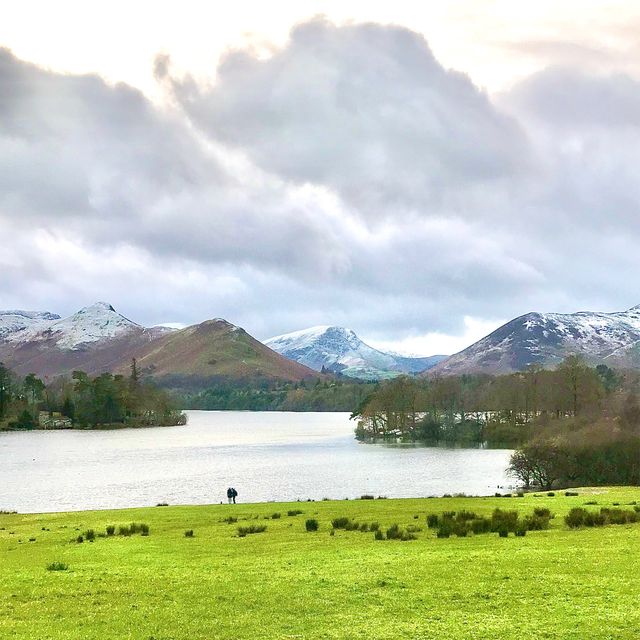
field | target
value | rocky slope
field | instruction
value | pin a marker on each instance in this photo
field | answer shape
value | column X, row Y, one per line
column 340, row 350
column 546, row 339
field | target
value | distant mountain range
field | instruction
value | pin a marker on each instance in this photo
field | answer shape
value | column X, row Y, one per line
column 546, row 339
column 340, row 350
column 98, row 338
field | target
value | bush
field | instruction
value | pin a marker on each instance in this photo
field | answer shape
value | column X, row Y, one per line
column 294, row 512
column 542, row 512
column 461, row 529
column 351, row 526
column 378, row 535
column 230, row 520
column 340, row 523
column 536, row 523
column 503, row 532
column 448, row 515
column 463, row 516
column 189, row 533
column 253, row 528
column 374, row 526
column 311, row 524
column 575, row 518
column 432, row 520
column 366, row 497
column 162, row 504
column 90, row 535
column 521, row 532
column 592, row 502
column 551, row 494
column 80, row 539
column 111, row 529
column 504, row 520
column 124, row 531
column 394, row 532
column 443, row 532
column 57, row 566
column 276, row 516
column 480, row 525
column 144, row 529
column 364, row 527
column 571, row 493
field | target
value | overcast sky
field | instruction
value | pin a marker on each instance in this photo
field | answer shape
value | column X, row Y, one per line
column 418, row 174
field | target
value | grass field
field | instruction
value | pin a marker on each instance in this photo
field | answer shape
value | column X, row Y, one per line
column 288, row 583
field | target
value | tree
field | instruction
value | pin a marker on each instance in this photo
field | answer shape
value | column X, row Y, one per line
column 5, row 389
column 33, row 389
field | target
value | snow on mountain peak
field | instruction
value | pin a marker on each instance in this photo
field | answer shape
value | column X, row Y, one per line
column 339, row 349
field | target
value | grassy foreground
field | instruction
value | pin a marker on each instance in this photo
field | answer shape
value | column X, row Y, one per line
column 287, row 583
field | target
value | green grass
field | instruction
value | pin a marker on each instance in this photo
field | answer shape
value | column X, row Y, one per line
column 287, row 583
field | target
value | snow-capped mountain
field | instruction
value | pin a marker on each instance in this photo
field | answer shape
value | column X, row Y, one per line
column 546, row 339
column 16, row 323
column 340, row 350
column 91, row 324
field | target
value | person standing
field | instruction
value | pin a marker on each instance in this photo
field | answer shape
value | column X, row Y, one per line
column 234, row 493
column 230, row 497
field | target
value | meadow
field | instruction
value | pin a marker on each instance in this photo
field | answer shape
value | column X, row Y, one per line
column 287, row 582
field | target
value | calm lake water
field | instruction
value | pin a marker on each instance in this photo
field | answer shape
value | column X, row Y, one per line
column 266, row 456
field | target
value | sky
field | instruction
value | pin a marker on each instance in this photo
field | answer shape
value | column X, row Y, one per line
column 418, row 172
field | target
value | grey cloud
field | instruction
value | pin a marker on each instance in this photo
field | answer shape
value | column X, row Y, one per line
column 364, row 109
column 348, row 179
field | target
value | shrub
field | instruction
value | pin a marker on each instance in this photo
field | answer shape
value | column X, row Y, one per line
column 461, row 529
column 520, row 494
column 294, row 512
column 571, row 493
column 90, row 535
column 124, row 531
column 253, row 528
column 432, row 520
column 394, row 532
column 144, row 529
column 595, row 519
column 536, row 523
column 162, row 504
column 352, row 526
column 413, row 528
column 448, row 515
column 340, row 523
column 276, row 516
column 80, row 539
column 188, row 533
column 501, row 519
column 134, row 527
column 406, row 535
column 366, row 497
column 463, row 516
column 57, row 566
column 443, row 532
column 521, row 532
column 637, row 508
column 230, row 520
column 551, row 494
column 374, row 526
column 480, row 525
column 364, row 527
column 311, row 524
column 378, row 535
column 542, row 512
column 575, row 517
column 111, row 529
column 503, row 532
column 332, row 532
column 592, row 502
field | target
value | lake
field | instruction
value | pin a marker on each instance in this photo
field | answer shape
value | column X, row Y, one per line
column 266, row 456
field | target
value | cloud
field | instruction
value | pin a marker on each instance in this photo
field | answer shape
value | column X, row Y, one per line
column 347, row 178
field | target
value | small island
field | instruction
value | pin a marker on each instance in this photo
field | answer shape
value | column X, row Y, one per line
column 105, row 401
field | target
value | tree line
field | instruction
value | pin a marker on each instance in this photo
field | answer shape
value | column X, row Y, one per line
column 574, row 425
column 83, row 401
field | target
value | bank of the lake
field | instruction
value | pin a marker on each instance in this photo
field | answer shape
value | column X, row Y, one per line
column 266, row 456
column 288, row 583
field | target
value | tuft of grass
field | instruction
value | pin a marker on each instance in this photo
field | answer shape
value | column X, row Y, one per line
column 276, row 516
column 311, row 524
column 252, row 528
column 231, row 519
column 189, row 533
column 57, row 566
column 111, row 529
column 294, row 512
column 89, row 535
column 340, row 523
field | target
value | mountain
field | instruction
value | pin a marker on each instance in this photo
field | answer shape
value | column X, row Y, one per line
column 546, row 339
column 98, row 338
column 216, row 349
column 340, row 350
column 94, row 339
